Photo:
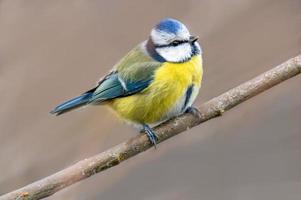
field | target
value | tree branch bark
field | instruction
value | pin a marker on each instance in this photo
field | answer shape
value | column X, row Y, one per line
column 213, row 108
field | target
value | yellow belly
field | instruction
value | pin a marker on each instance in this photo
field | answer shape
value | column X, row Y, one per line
column 170, row 83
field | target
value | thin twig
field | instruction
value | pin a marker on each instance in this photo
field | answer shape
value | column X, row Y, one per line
column 213, row 108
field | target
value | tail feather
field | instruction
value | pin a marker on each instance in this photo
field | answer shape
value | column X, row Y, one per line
column 72, row 104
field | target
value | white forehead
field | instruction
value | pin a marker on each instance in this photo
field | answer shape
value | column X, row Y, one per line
column 162, row 37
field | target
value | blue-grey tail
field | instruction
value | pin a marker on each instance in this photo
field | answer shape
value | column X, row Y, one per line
column 73, row 103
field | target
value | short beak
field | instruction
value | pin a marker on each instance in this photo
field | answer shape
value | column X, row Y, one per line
column 192, row 39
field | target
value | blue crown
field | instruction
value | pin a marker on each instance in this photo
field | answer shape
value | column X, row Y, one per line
column 169, row 25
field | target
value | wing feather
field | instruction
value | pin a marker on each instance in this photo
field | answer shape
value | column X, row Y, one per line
column 132, row 74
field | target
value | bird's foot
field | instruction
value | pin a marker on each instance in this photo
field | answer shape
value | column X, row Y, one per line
column 194, row 111
column 150, row 134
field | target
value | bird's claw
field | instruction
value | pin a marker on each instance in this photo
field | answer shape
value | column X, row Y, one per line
column 151, row 135
column 194, row 111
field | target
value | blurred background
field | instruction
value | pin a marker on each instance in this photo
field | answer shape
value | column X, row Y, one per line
column 53, row 50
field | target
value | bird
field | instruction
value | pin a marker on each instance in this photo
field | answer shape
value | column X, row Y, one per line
column 157, row 80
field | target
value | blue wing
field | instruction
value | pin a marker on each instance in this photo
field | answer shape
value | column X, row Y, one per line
column 112, row 86
column 133, row 74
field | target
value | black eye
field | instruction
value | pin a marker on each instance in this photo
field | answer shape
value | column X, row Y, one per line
column 175, row 43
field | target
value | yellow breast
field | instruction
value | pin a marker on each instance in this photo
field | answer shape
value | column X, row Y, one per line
column 170, row 83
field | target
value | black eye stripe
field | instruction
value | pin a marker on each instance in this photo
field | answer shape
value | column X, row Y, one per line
column 172, row 44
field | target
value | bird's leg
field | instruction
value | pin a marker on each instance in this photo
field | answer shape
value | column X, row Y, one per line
column 194, row 111
column 150, row 134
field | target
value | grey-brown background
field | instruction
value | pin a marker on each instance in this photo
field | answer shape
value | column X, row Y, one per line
column 52, row 50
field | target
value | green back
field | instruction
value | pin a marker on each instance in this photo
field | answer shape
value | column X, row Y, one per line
column 136, row 65
column 132, row 74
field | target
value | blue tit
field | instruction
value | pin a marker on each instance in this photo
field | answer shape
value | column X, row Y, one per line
column 157, row 80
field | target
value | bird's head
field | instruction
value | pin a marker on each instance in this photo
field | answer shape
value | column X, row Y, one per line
column 171, row 40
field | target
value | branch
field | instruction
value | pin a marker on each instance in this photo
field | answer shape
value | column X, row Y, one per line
column 213, row 108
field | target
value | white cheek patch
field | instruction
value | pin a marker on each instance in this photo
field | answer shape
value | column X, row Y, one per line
column 178, row 53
